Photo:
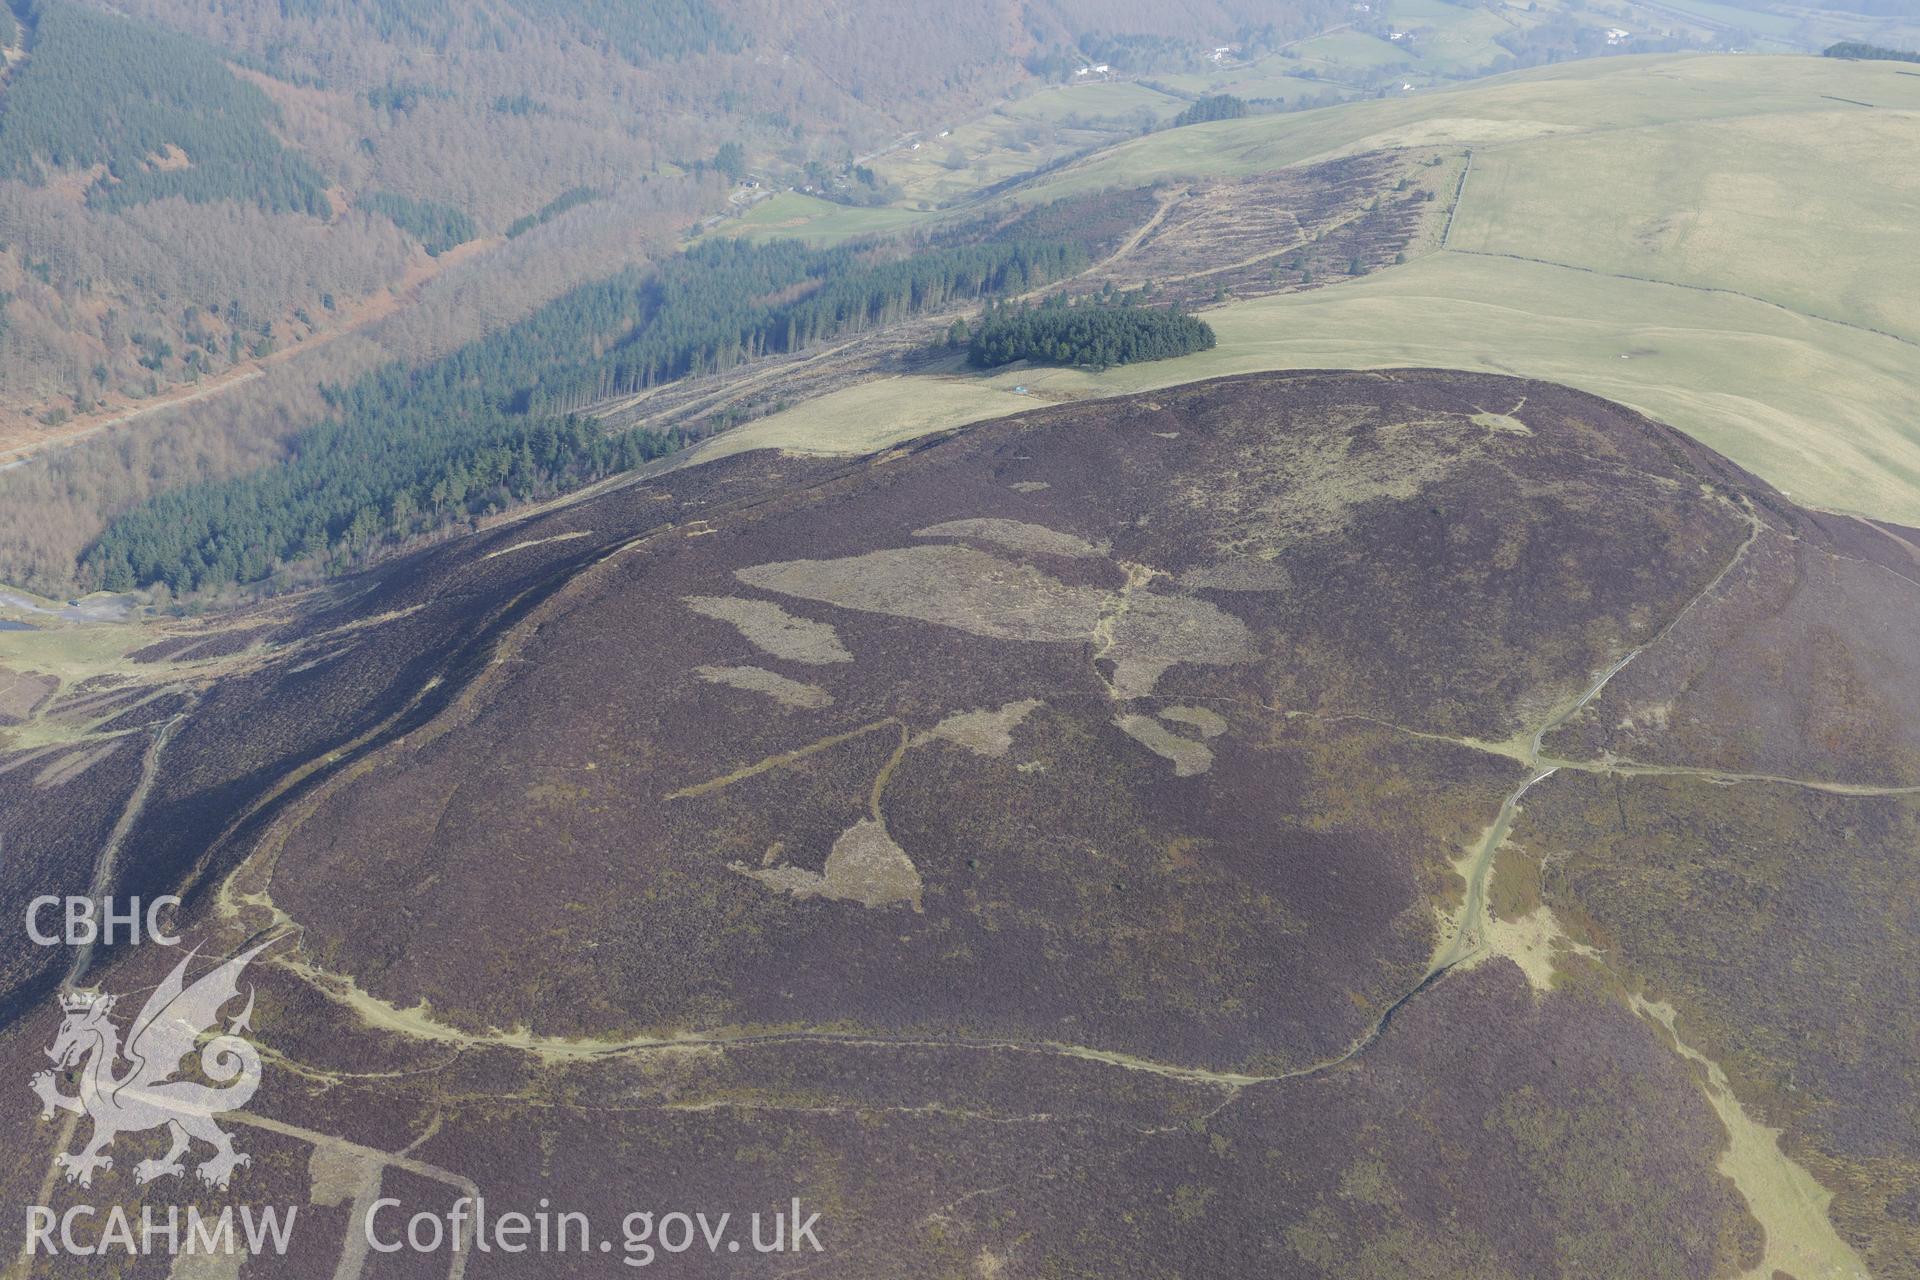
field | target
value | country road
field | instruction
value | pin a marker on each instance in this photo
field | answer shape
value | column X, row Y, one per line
column 376, row 307
column 20, row 455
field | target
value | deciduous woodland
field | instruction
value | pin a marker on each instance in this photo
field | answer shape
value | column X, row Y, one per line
column 201, row 190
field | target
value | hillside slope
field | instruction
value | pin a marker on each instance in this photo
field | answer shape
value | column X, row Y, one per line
column 1716, row 241
column 188, row 188
column 1193, row 826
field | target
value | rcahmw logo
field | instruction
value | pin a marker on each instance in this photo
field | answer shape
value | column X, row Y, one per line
column 144, row 1095
column 169, row 1231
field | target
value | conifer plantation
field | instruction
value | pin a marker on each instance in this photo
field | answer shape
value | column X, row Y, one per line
column 406, row 451
column 1091, row 334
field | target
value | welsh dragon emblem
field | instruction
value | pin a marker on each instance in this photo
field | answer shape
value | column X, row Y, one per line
column 146, row 1096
